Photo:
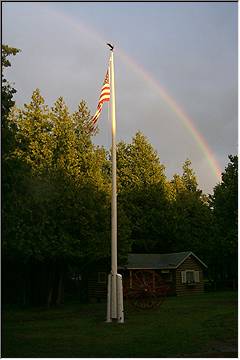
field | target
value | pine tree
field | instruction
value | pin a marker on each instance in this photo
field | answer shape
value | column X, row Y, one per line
column 191, row 216
column 143, row 193
column 224, row 203
column 34, row 136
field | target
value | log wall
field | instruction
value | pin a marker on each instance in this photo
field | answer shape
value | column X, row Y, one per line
column 184, row 289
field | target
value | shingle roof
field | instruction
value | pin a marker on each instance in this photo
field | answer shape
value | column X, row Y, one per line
column 158, row 261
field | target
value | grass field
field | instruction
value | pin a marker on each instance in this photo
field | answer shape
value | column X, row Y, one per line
column 197, row 326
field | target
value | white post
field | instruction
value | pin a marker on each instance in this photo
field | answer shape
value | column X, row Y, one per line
column 109, row 317
column 120, row 299
column 114, row 192
column 114, row 286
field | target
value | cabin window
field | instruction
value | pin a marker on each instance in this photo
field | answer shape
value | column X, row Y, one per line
column 76, row 277
column 190, row 277
column 102, row 278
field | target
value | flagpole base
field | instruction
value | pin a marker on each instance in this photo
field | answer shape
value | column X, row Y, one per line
column 115, row 310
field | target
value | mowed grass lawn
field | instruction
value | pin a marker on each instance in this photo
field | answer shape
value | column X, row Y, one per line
column 202, row 326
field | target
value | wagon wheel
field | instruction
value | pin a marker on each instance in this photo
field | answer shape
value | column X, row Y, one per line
column 147, row 289
column 145, row 300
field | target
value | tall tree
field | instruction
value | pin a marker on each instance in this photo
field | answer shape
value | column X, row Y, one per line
column 93, row 160
column 7, row 101
column 34, row 143
column 7, row 90
column 60, row 214
column 224, row 203
column 191, row 216
column 138, row 164
column 143, row 193
column 14, row 173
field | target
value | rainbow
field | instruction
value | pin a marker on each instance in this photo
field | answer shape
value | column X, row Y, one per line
column 182, row 115
column 156, row 86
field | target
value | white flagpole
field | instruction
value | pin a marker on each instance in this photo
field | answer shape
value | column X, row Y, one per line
column 114, row 192
column 115, row 301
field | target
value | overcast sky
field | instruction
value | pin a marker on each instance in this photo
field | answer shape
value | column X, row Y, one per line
column 190, row 49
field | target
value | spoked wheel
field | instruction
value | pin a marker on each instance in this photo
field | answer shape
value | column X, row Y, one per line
column 146, row 289
column 145, row 301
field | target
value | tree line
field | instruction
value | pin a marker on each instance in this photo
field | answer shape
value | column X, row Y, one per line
column 56, row 209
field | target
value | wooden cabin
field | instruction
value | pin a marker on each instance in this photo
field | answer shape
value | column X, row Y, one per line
column 183, row 272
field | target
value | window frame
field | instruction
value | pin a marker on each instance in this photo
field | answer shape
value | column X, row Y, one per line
column 194, row 278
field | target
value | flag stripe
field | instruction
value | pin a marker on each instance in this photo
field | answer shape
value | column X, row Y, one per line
column 103, row 93
column 107, row 86
column 104, row 97
column 105, row 90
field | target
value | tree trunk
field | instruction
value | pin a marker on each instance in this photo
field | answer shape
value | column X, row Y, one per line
column 49, row 298
column 50, row 285
column 60, row 290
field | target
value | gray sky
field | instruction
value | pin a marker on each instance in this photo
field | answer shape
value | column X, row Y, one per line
column 190, row 49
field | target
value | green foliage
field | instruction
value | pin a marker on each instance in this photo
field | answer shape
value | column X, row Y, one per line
column 57, row 193
column 65, row 155
column 14, row 173
column 143, row 193
column 63, row 211
column 190, row 213
column 138, row 164
column 187, row 183
column 7, row 101
column 7, row 51
column 7, row 90
column 189, row 178
column 56, row 189
column 34, row 143
column 82, row 120
column 224, row 203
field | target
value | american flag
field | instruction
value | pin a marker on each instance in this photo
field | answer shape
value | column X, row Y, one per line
column 104, row 96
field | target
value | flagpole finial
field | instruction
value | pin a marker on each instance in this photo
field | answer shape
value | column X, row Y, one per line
column 111, row 46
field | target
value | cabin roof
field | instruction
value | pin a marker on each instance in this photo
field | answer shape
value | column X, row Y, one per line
column 159, row 261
